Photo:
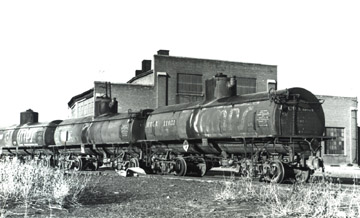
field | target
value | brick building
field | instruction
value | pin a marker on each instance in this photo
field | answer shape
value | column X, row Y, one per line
column 340, row 122
column 173, row 80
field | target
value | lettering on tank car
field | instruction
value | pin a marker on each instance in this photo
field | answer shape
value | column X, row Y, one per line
column 235, row 111
column 33, row 136
column 28, row 135
column 301, row 109
column 233, row 116
column 8, row 139
column 263, row 117
column 152, row 124
column 244, row 116
column 169, row 123
column 124, row 131
column 22, row 135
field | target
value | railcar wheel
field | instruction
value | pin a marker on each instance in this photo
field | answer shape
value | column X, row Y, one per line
column 134, row 162
column 180, row 166
column 77, row 164
column 275, row 172
column 302, row 176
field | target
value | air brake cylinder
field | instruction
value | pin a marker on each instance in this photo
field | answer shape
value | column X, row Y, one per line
column 220, row 86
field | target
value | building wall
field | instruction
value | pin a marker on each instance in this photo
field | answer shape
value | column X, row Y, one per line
column 146, row 80
column 129, row 96
column 83, row 108
column 341, row 112
column 172, row 66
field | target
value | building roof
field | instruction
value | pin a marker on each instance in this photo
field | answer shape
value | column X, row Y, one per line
column 337, row 97
column 87, row 94
column 214, row 60
column 143, row 74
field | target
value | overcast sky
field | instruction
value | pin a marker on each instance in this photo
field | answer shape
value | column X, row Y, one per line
column 53, row 50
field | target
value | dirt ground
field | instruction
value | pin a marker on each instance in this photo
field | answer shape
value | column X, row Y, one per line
column 110, row 195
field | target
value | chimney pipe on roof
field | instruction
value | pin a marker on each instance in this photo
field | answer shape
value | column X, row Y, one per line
column 146, row 65
column 137, row 72
column 163, row 52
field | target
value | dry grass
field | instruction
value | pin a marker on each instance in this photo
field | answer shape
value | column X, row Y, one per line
column 322, row 198
column 24, row 187
column 30, row 185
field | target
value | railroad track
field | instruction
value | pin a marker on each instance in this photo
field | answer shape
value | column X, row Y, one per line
column 217, row 177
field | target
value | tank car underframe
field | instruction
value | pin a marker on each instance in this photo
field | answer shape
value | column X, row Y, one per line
column 78, row 157
column 179, row 165
column 276, row 159
column 75, row 162
column 40, row 154
column 273, row 159
column 92, row 156
column 166, row 161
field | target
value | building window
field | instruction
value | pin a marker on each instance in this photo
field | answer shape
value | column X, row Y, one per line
column 246, row 85
column 271, row 84
column 73, row 111
column 189, row 88
column 335, row 146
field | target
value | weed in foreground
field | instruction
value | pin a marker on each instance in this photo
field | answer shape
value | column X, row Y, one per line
column 322, row 198
column 30, row 185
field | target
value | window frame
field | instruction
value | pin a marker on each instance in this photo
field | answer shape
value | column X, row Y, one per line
column 195, row 93
column 239, row 86
column 342, row 139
